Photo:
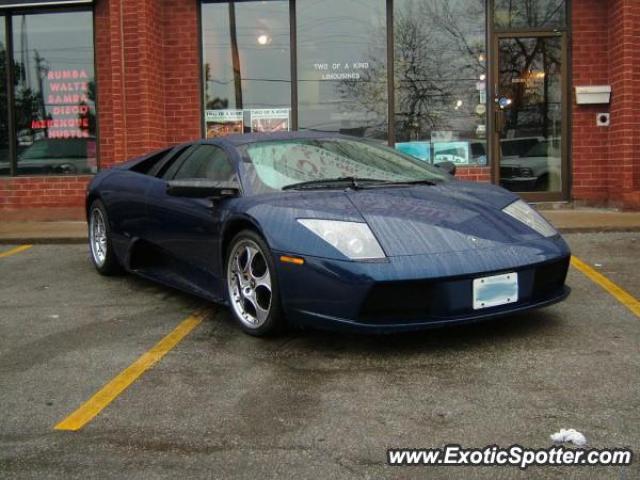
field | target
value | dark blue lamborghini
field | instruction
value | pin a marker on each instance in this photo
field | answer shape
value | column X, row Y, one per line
column 323, row 230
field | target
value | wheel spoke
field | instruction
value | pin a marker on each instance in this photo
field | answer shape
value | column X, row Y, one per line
column 251, row 298
column 261, row 313
column 249, row 252
column 264, row 281
column 239, row 271
column 244, row 282
column 238, row 265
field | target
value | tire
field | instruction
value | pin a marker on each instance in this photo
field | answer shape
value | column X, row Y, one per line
column 100, row 244
column 253, row 295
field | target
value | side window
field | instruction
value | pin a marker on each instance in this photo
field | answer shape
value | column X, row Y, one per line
column 169, row 168
column 207, row 162
column 147, row 165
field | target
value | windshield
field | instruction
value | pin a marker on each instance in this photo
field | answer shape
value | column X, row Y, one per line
column 278, row 164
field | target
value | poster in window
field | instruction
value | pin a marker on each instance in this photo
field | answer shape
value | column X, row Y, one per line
column 220, row 123
column 69, row 106
column 269, row 119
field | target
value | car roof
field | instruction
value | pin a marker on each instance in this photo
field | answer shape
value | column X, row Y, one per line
column 244, row 138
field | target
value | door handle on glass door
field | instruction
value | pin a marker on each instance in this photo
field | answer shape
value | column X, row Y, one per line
column 498, row 121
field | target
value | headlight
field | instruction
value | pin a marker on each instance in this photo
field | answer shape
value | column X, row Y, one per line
column 354, row 240
column 523, row 212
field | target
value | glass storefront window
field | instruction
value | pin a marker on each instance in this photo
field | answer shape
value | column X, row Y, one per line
column 440, row 109
column 440, row 76
column 530, row 134
column 247, row 67
column 540, row 14
column 55, row 115
column 342, row 73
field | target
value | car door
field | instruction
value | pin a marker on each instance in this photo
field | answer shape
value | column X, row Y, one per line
column 188, row 229
column 124, row 194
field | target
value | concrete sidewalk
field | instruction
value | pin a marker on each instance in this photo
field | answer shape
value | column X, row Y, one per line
column 583, row 220
column 566, row 220
column 43, row 232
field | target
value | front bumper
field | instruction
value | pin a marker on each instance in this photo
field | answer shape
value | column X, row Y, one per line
column 325, row 322
column 417, row 292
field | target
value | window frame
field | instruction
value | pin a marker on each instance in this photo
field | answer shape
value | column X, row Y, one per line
column 293, row 49
column 6, row 16
column 494, row 29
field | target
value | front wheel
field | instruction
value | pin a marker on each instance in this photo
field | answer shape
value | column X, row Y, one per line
column 252, row 286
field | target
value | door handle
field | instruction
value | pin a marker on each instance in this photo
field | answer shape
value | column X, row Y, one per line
column 498, row 120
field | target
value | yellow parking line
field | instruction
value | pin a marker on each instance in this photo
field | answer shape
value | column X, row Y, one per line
column 619, row 293
column 15, row 250
column 119, row 384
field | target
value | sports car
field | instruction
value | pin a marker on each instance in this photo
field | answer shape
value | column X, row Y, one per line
column 323, row 230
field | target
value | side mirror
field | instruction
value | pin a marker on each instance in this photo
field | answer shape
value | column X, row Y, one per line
column 448, row 167
column 201, row 188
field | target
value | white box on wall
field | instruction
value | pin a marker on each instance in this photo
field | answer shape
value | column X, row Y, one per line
column 593, row 94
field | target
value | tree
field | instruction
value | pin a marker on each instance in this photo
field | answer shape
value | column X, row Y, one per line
column 439, row 50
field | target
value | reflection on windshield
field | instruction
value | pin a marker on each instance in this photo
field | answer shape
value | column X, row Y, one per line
column 277, row 164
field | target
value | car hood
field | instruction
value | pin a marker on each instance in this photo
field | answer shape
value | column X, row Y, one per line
column 451, row 217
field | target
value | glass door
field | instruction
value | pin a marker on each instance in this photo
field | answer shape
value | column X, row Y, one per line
column 530, row 114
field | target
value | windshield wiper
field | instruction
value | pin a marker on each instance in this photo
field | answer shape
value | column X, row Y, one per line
column 423, row 181
column 351, row 182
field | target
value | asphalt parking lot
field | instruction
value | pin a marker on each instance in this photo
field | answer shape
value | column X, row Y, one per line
column 307, row 404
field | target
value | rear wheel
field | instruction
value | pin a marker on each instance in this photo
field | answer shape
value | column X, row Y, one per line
column 100, row 245
column 252, row 286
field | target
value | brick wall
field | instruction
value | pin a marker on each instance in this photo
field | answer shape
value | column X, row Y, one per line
column 606, row 50
column 110, row 82
column 474, row 174
column 624, row 76
column 157, row 71
column 182, row 76
column 41, row 192
column 590, row 144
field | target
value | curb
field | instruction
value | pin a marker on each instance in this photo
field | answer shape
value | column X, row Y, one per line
column 611, row 229
column 43, row 240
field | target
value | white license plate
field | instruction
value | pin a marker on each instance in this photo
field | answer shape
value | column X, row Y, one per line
column 495, row 290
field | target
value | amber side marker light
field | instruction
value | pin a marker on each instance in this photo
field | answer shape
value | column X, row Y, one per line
column 294, row 260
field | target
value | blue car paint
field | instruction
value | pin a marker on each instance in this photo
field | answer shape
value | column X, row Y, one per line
column 450, row 232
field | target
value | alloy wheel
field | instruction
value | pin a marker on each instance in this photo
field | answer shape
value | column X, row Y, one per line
column 249, row 283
